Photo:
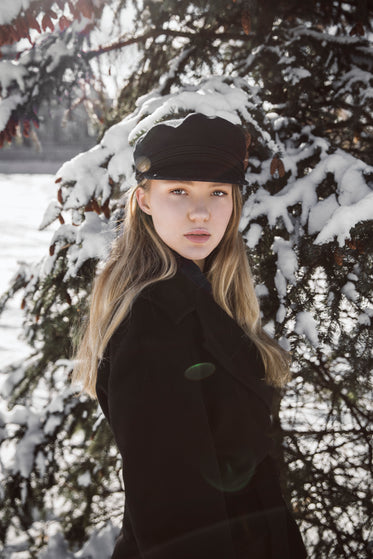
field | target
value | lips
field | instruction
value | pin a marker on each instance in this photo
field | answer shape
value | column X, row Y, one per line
column 198, row 236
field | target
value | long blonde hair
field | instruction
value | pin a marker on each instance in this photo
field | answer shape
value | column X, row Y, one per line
column 139, row 258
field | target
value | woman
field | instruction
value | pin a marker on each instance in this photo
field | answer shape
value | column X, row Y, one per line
column 186, row 374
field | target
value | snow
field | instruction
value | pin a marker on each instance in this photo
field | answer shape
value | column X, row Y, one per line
column 25, row 448
column 295, row 75
column 253, row 235
column 100, row 544
column 51, row 424
column 57, row 51
column 320, row 213
column 84, row 479
column 344, row 219
column 9, row 72
column 349, row 290
column 8, row 105
column 306, row 325
column 93, row 241
column 286, row 258
column 363, row 318
column 261, row 290
column 51, row 213
column 331, row 218
column 10, row 9
column 24, row 198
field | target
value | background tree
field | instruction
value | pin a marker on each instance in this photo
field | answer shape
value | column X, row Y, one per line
column 300, row 82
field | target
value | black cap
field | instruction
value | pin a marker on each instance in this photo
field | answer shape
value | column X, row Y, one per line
column 199, row 148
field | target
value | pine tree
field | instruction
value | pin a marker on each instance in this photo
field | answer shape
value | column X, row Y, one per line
column 297, row 76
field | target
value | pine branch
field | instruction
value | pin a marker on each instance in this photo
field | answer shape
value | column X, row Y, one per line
column 202, row 34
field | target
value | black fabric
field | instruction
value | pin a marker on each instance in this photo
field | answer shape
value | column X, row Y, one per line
column 192, row 271
column 184, row 392
column 200, row 148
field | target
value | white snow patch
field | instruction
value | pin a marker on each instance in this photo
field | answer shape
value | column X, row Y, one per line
column 344, row 219
column 321, row 213
column 287, row 262
column 349, row 290
column 306, row 325
column 84, row 480
column 10, row 9
column 11, row 72
column 253, row 235
column 261, row 290
column 7, row 106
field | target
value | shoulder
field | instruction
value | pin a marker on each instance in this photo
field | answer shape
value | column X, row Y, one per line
column 164, row 303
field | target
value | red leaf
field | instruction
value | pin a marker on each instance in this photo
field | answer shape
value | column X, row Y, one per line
column 59, row 195
column 61, row 219
column 64, row 23
column 273, row 166
column 357, row 29
column 277, row 165
column 47, row 22
column 246, row 22
column 74, row 10
column 95, row 206
column 22, row 30
column 7, row 136
column 12, row 126
column 86, row 8
column 105, row 208
column 8, row 35
column 51, row 249
column 26, row 128
column 58, row 180
column 338, row 257
column 360, row 247
column 281, row 168
column 51, row 14
column 32, row 22
column 248, row 139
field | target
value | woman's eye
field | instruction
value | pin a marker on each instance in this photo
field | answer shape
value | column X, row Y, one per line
column 178, row 191
column 220, row 193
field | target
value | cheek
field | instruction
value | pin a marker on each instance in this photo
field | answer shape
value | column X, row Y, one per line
column 164, row 219
column 226, row 214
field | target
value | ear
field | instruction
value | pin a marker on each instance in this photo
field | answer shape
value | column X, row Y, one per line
column 142, row 200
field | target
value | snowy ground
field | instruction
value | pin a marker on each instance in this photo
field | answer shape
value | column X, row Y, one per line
column 24, row 198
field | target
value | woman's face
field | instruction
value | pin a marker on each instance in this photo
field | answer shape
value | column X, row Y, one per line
column 190, row 216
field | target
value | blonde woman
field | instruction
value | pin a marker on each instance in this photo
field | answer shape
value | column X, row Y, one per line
column 175, row 353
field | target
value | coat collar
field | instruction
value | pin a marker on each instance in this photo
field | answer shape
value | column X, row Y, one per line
column 222, row 336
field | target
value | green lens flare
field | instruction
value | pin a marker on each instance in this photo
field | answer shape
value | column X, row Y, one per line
column 199, row 371
column 235, row 470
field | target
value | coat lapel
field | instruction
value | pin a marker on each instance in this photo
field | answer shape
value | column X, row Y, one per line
column 222, row 337
column 229, row 345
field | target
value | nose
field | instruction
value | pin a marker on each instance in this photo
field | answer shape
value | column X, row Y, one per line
column 199, row 211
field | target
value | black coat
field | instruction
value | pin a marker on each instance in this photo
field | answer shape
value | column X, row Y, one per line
column 182, row 388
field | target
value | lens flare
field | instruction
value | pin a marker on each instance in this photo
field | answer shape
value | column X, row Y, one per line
column 235, row 470
column 199, row 371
